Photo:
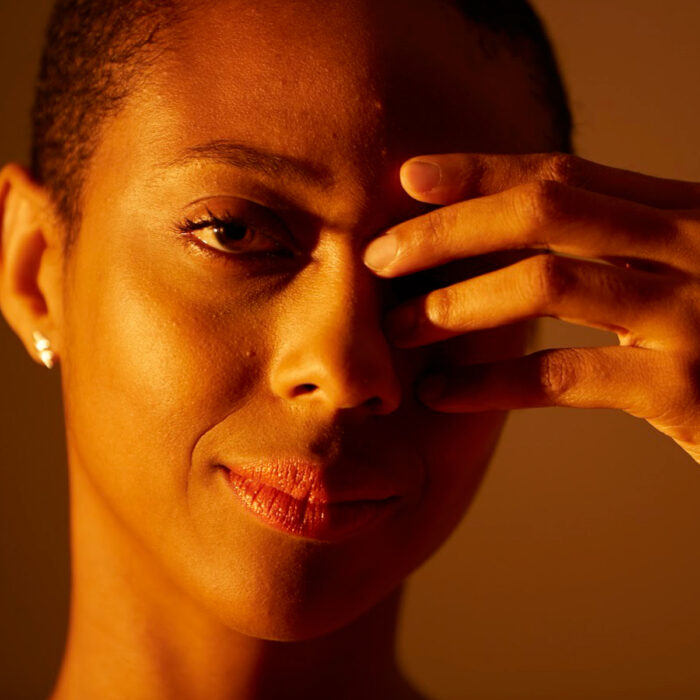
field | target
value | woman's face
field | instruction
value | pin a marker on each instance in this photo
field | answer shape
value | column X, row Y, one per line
column 183, row 363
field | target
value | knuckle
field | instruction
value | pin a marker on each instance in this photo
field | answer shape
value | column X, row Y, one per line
column 438, row 224
column 566, row 169
column 473, row 173
column 542, row 204
column 559, row 372
column 548, row 281
column 658, row 227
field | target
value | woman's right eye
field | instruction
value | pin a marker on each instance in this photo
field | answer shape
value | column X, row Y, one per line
column 232, row 236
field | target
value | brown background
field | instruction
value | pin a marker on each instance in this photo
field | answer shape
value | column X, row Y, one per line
column 577, row 572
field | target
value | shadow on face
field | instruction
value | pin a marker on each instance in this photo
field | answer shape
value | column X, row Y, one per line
column 219, row 270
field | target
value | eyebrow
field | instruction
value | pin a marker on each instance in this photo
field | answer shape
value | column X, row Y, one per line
column 248, row 157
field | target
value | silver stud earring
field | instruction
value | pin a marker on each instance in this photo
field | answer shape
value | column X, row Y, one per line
column 43, row 348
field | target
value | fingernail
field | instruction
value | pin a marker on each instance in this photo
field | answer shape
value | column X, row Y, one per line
column 421, row 176
column 401, row 322
column 381, row 251
column 432, row 388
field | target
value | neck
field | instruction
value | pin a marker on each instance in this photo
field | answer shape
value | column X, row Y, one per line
column 133, row 633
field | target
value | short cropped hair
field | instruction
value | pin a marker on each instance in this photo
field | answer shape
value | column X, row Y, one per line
column 97, row 51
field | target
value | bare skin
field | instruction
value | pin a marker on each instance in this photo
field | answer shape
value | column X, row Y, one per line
column 646, row 228
column 178, row 355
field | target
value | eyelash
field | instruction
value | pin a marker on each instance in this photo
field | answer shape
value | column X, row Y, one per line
column 186, row 231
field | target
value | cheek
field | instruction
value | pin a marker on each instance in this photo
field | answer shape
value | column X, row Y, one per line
column 150, row 368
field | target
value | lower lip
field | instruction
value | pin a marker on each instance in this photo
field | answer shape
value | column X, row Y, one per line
column 312, row 519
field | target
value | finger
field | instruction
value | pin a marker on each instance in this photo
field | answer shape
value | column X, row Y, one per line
column 609, row 377
column 631, row 303
column 539, row 215
column 458, row 176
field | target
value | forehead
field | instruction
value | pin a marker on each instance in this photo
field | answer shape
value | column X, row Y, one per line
column 353, row 87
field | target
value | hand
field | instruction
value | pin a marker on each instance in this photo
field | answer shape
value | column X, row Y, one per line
column 640, row 236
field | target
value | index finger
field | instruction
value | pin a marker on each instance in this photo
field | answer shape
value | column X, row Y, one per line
column 465, row 175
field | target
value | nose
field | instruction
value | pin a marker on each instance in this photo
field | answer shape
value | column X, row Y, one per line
column 330, row 347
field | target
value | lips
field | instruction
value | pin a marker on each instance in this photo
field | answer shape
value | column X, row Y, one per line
column 308, row 499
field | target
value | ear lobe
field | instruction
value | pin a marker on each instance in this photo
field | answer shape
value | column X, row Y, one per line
column 30, row 259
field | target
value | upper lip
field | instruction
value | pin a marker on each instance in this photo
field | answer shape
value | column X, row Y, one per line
column 316, row 481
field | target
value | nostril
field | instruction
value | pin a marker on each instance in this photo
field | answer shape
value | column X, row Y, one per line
column 303, row 389
column 374, row 404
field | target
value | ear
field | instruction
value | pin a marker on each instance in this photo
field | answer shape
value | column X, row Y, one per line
column 31, row 260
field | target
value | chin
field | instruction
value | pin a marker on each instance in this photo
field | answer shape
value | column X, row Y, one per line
column 283, row 615
column 287, row 625
column 288, row 589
